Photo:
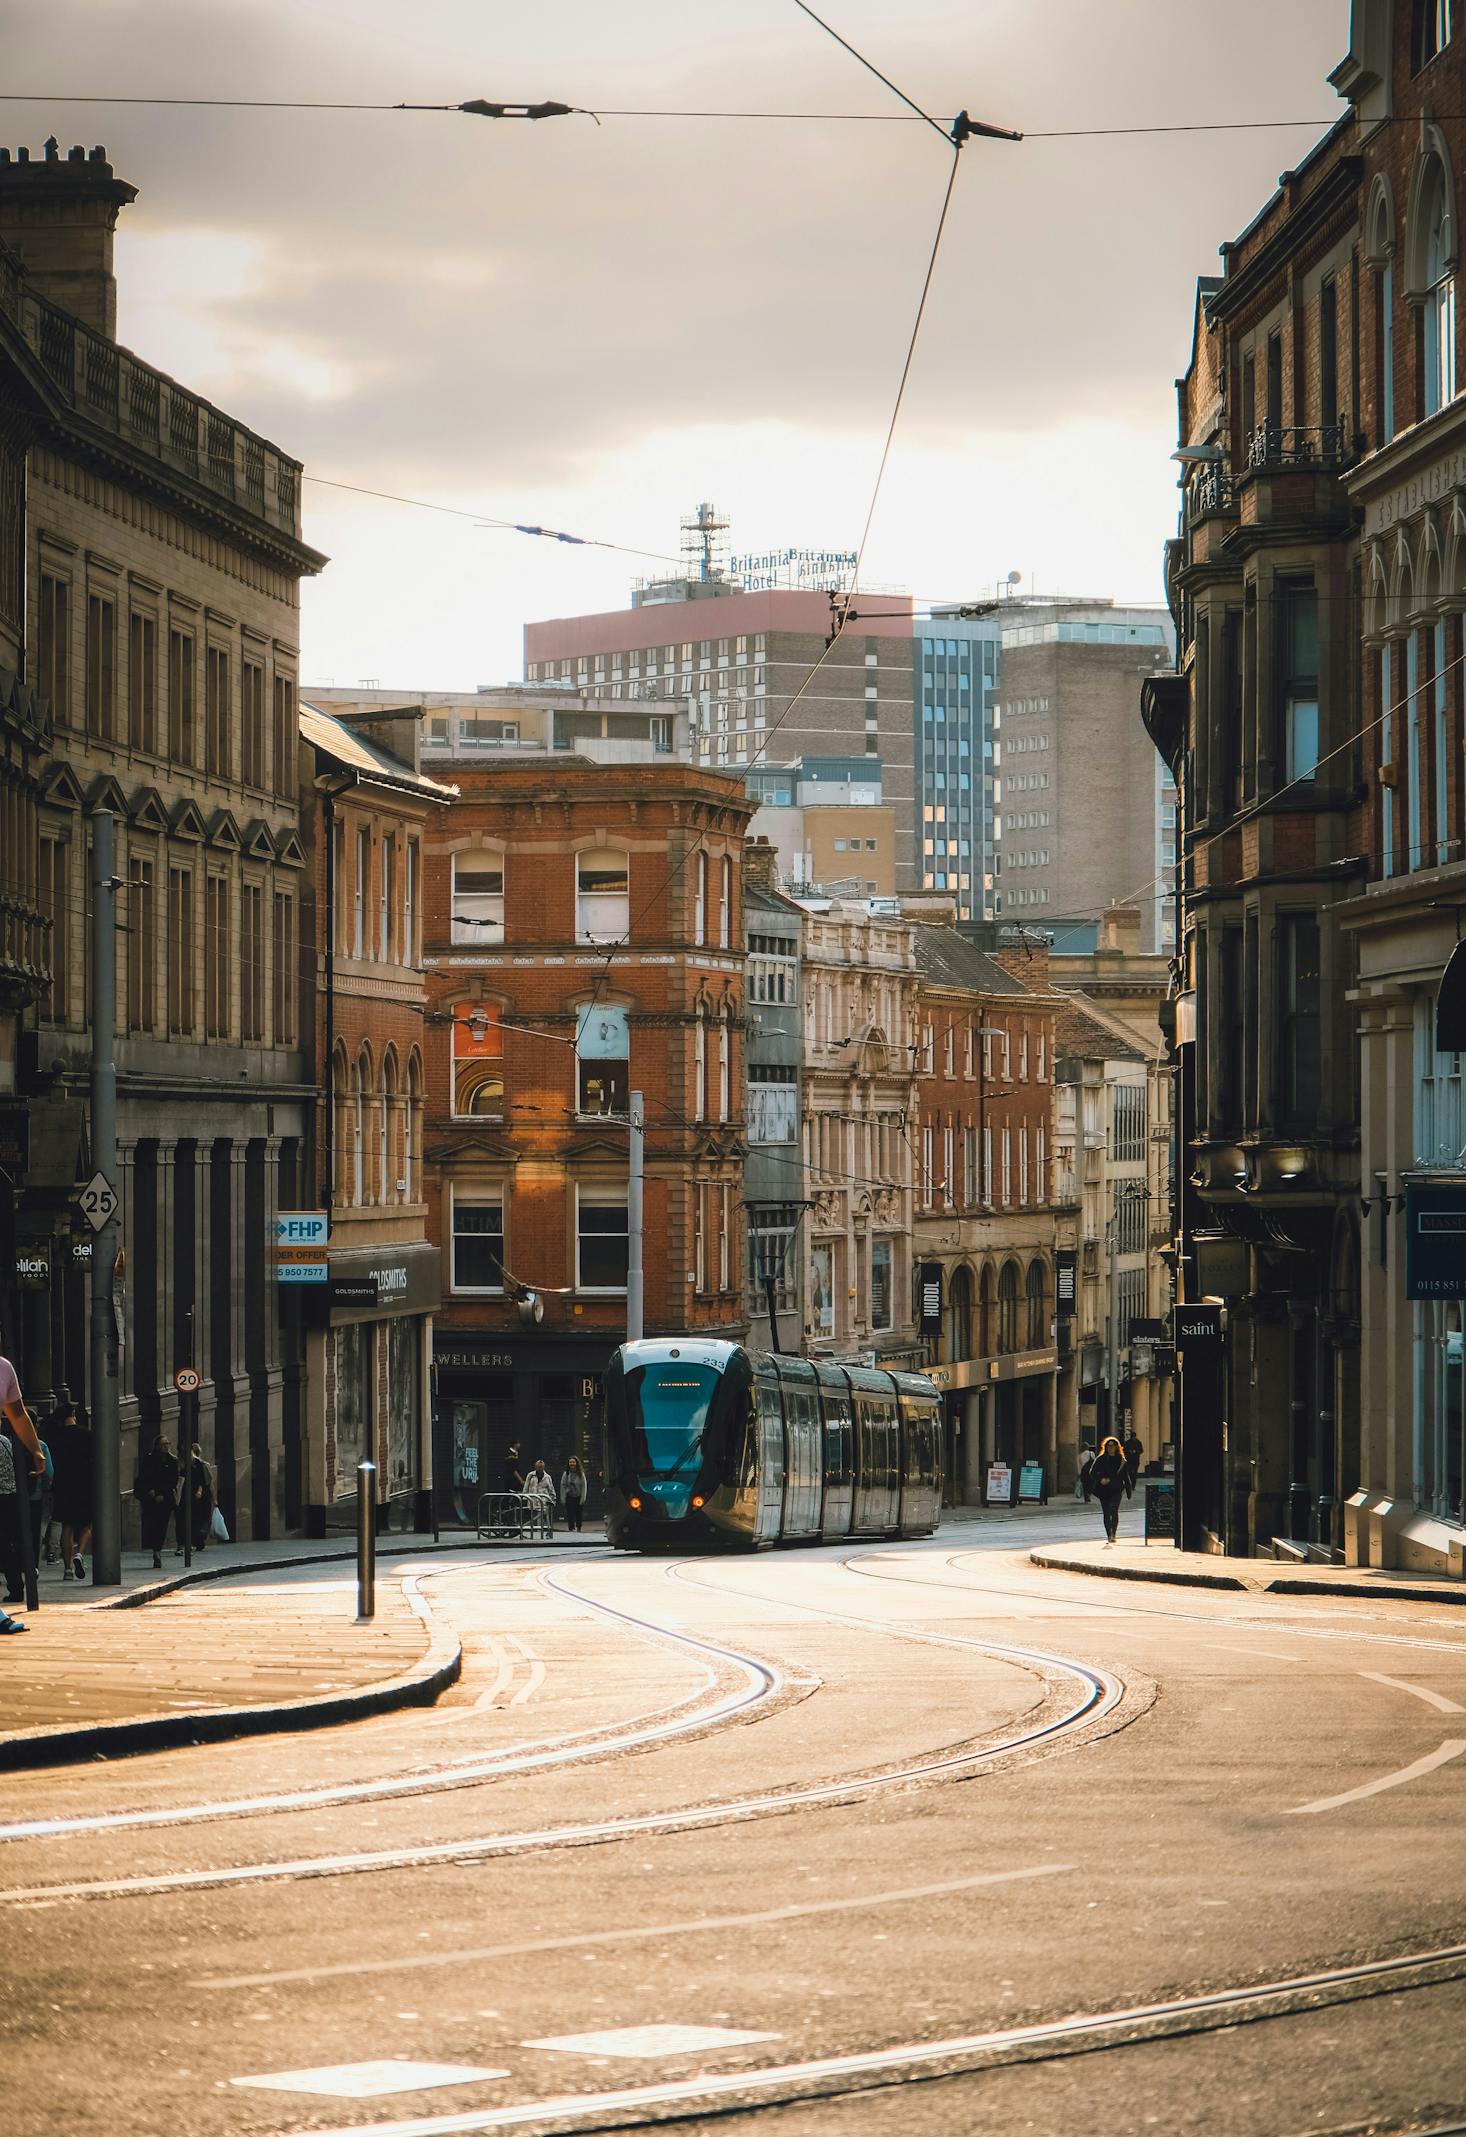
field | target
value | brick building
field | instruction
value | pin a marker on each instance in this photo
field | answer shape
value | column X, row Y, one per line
column 368, row 1328
column 583, row 939
column 163, row 558
column 984, row 1237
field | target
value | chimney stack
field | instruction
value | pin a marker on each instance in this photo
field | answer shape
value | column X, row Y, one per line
column 760, row 865
column 59, row 215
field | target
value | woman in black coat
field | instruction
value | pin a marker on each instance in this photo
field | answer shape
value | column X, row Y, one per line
column 1109, row 1480
column 155, row 1491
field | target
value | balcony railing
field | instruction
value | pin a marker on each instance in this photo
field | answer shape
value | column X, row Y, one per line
column 1212, row 491
column 1299, row 445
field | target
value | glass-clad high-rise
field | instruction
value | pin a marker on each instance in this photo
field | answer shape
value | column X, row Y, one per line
column 956, row 676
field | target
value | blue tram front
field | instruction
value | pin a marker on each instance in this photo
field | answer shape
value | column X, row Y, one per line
column 708, row 1443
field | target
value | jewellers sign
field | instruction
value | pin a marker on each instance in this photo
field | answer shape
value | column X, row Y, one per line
column 1427, row 487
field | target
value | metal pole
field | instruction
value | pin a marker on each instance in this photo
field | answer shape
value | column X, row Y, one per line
column 187, row 1430
column 634, row 1301
column 366, row 1541
column 102, row 1008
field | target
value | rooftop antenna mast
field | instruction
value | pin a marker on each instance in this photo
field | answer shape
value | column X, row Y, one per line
column 703, row 544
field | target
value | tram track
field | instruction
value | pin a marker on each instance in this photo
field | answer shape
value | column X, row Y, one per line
column 758, row 1683
column 1100, row 1695
column 754, row 2089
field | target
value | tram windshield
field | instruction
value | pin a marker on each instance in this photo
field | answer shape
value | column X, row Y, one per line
column 667, row 1409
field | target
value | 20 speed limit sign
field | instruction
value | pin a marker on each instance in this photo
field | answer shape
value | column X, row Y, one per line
column 188, row 1380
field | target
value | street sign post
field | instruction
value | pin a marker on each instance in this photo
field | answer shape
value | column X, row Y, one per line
column 98, row 1200
column 188, row 1380
column 302, row 1240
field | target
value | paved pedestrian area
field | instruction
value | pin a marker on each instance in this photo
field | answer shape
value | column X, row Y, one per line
column 1134, row 1559
column 262, row 1641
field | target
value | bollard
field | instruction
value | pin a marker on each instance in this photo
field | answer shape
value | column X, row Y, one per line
column 366, row 1541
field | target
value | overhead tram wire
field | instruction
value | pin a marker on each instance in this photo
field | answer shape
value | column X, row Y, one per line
column 489, row 519
column 961, row 130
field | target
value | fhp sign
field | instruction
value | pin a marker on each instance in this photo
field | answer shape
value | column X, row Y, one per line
column 302, row 1228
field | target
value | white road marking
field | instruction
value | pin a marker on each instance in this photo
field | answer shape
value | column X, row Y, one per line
column 1451, row 1749
column 1437, row 1700
column 650, row 2040
column 536, row 1674
column 794, row 1911
column 1260, row 1654
column 570, row 2110
column 371, row 2081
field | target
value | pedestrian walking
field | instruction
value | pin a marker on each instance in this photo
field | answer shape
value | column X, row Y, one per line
column 1108, row 1481
column 1134, row 1451
column 539, row 1489
column 71, row 1451
column 42, row 1490
column 195, row 1501
column 511, row 1477
column 1081, row 1482
column 155, row 1489
column 22, row 1440
column 573, row 1489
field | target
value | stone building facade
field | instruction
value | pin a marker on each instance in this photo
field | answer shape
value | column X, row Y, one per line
column 774, row 1204
column 162, row 565
column 583, row 938
column 859, row 1105
column 985, row 1231
column 368, row 1327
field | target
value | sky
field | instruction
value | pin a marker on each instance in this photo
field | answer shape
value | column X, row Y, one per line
column 593, row 327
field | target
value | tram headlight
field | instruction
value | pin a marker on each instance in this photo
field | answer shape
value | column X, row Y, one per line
column 697, row 1498
column 633, row 1502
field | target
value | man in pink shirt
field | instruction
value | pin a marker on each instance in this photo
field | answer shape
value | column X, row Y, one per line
column 18, row 1417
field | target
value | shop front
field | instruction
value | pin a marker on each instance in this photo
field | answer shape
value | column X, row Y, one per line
column 369, row 1333
column 495, row 1393
column 998, row 1410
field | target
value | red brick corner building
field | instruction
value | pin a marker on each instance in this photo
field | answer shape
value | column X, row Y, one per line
column 582, row 940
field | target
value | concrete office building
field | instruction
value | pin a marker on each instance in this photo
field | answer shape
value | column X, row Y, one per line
column 501, row 721
column 751, row 667
column 1082, row 801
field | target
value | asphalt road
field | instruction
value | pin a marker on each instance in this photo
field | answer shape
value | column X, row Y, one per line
column 886, row 1839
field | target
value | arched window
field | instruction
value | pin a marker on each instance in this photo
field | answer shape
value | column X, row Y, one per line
column 602, row 896
column 341, row 1118
column 360, row 1092
column 478, row 1060
column 1008, row 1306
column 699, row 1068
column 412, row 1129
column 478, row 898
column 959, row 1316
column 1380, row 256
column 986, row 1330
column 1038, row 1320
column 725, row 1067
column 386, row 1110
column 1438, row 315
column 725, row 901
column 1434, row 23
column 700, row 896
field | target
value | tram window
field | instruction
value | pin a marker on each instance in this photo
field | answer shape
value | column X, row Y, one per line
column 667, row 1408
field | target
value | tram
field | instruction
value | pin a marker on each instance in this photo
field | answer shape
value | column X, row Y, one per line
column 708, row 1444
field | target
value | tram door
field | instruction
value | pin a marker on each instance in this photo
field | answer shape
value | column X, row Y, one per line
column 802, row 1465
column 770, row 1462
column 877, row 1475
column 839, row 1428
column 921, row 1490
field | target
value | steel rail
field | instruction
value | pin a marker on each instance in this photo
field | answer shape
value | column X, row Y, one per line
column 1100, row 1693
column 861, row 2070
column 759, row 1682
